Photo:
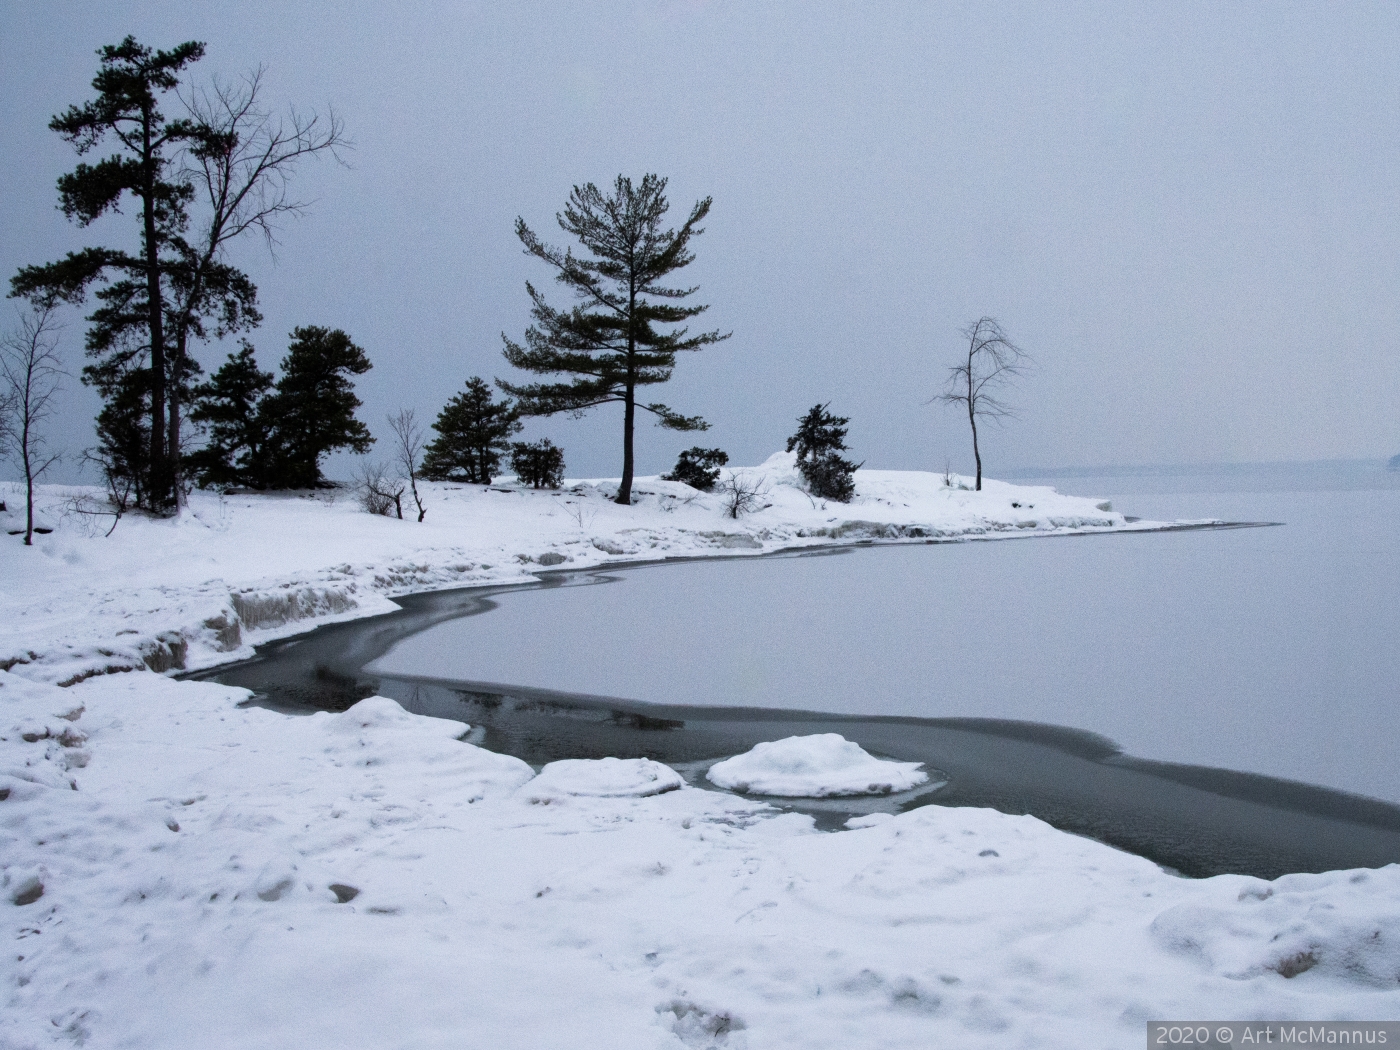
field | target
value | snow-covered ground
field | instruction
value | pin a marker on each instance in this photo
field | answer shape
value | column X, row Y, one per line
column 179, row 871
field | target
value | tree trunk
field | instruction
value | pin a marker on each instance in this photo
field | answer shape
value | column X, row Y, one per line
column 173, row 440
column 972, row 407
column 977, row 455
column 629, row 416
column 160, row 481
column 28, row 475
column 629, row 413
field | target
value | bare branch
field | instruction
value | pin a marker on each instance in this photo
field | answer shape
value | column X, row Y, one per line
column 244, row 160
column 31, row 374
column 742, row 494
column 379, row 491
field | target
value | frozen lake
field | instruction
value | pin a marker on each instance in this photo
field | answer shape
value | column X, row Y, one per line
column 1270, row 650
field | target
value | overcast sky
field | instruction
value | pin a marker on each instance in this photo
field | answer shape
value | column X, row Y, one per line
column 1189, row 214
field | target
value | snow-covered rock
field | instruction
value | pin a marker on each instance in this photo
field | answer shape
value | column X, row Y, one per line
column 816, row 766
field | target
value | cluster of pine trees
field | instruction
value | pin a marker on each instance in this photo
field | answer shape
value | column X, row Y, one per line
column 196, row 182
column 226, row 160
column 266, row 435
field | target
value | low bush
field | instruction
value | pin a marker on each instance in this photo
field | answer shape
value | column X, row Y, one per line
column 698, row 468
column 538, row 463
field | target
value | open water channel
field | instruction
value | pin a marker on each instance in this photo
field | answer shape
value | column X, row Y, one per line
column 1218, row 700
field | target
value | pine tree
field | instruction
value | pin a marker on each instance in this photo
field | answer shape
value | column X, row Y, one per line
column 538, row 463
column 698, row 467
column 313, row 407
column 124, row 439
column 230, row 407
column 819, row 439
column 609, row 342
column 129, row 330
column 473, row 434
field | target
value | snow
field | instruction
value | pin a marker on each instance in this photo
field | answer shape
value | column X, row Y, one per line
column 177, row 869
column 603, row 778
column 815, row 766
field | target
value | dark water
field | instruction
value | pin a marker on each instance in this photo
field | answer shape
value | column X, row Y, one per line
column 1198, row 818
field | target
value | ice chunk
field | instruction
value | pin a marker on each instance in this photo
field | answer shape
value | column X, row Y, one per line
column 814, row 767
column 604, row 778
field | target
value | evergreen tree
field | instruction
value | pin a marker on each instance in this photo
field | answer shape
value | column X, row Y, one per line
column 473, row 433
column 124, row 438
column 539, row 463
column 698, row 467
column 313, row 407
column 129, row 330
column 230, row 408
column 819, row 440
column 609, row 342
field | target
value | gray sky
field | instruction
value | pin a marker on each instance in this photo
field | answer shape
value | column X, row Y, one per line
column 1188, row 213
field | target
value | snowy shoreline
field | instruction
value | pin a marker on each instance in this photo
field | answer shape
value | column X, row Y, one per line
column 234, row 571
column 175, row 863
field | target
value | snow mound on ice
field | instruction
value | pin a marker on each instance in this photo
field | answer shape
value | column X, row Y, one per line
column 814, row 767
column 379, row 712
column 604, row 778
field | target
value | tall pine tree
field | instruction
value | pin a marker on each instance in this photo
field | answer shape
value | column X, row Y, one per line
column 610, row 342
column 129, row 329
column 473, row 433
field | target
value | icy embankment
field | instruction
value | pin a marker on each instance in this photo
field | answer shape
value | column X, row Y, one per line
column 821, row 765
column 180, row 871
column 231, row 571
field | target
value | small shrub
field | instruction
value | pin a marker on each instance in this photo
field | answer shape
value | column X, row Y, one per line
column 698, row 468
column 538, row 463
column 743, row 495
column 819, row 440
column 378, row 491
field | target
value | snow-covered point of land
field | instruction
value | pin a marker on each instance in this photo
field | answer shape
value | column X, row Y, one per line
column 179, row 871
column 204, row 587
column 819, row 765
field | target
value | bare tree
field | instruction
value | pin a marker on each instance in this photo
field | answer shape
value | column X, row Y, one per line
column 742, row 494
column 992, row 360
column 240, row 164
column 408, row 450
column 379, row 491
column 29, row 381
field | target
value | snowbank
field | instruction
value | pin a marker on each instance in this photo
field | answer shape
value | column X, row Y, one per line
column 816, row 766
column 241, row 569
